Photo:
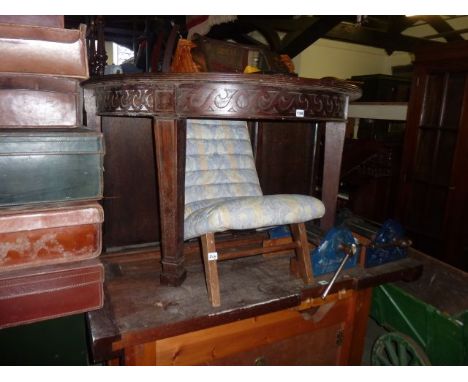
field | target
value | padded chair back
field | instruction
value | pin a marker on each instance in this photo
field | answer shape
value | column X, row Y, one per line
column 222, row 192
column 219, row 162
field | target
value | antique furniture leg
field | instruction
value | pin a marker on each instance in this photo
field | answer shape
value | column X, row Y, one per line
column 170, row 135
column 301, row 262
column 211, row 268
column 334, row 141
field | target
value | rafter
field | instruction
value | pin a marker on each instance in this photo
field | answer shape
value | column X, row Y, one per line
column 310, row 31
column 230, row 30
column 397, row 24
column 443, row 28
column 447, row 34
column 291, row 34
column 301, row 32
column 359, row 35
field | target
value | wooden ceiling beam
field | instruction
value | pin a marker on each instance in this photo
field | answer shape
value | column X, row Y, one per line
column 377, row 22
column 270, row 35
column 443, row 27
column 238, row 31
column 291, row 24
column 390, row 42
column 397, row 24
column 446, row 34
column 248, row 40
column 230, row 30
column 311, row 30
column 303, row 31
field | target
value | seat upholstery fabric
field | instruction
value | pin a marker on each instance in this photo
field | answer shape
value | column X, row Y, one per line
column 222, row 190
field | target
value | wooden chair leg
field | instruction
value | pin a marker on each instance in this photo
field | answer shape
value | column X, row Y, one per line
column 211, row 268
column 302, row 261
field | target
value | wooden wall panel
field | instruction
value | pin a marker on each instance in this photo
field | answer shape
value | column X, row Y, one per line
column 130, row 202
column 284, row 157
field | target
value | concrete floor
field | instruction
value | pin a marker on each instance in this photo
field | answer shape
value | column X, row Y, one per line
column 374, row 331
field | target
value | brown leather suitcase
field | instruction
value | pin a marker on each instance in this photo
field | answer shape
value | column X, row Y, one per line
column 54, row 21
column 36, row 294
column 58, row 234
column 43, row 50
column 39, row 101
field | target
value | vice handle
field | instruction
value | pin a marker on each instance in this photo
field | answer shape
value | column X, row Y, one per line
column 349, row 250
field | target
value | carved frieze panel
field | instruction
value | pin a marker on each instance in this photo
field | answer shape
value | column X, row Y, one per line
column 135, row 100
column 263, row 102
column 224, row 101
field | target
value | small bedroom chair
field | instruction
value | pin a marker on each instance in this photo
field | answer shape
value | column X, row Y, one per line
column 222, row 192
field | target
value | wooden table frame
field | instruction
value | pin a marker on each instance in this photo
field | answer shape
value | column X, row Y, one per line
column 172, row 98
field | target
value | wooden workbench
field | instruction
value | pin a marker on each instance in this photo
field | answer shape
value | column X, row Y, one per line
column 156, row 308
column 267, row 316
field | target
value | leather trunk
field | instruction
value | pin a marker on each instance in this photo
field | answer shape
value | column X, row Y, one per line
column 43, row 50
column 39, row 101
column 36, row 294
column 50, row 165
column 32, row 237
column 54, row 21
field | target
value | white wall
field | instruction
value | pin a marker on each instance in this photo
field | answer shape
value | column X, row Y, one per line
column 110, row 52
column 342, row 60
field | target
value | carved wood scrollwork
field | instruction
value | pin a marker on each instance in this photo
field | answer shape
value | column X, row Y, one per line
column 128, row 100
column 261, row 102
column 224, row 101
column 135, row 100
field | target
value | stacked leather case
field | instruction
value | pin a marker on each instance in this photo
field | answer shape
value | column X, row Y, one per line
column 51, row 175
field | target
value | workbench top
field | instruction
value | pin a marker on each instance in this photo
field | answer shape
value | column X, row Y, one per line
column 138, row 309
column 440, row 285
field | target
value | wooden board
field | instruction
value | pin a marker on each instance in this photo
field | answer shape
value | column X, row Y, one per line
column 257, row 340
column 440, row 285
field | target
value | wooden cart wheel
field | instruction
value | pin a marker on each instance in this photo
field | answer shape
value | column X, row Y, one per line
column 396, row 349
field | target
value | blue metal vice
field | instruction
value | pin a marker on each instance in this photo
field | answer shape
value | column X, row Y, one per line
column 330, row 251
column 388, row 245
column 336, row 249
column 328, row 256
